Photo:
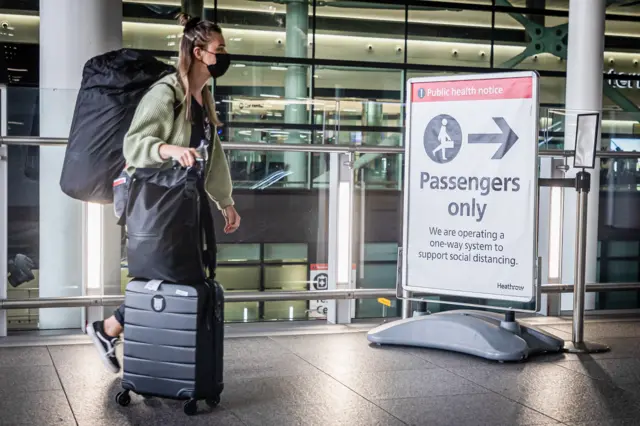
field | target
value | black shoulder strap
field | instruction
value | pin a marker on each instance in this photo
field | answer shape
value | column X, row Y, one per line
column 210, row 254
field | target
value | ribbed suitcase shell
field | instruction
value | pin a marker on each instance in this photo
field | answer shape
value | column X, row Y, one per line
column 173, row 340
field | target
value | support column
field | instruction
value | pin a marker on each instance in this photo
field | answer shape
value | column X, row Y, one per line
column 71, row 32
column 193, row 7
column 4, row 208
column 583, row 95
column 372, row 116
column 340, row 236
column 295, row 88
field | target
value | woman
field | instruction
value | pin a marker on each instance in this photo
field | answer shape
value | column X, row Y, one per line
column 158, row 135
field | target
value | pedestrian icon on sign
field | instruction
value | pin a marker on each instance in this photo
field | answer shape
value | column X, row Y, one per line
column 442, row 139
column 445, row 141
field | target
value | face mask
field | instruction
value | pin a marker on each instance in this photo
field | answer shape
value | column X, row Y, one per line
column 223, row 60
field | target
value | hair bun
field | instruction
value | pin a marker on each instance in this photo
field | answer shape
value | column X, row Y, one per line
column 183, row 18
column 191, row 23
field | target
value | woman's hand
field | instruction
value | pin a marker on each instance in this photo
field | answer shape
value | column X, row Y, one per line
column 232, row 219
column 185, row 156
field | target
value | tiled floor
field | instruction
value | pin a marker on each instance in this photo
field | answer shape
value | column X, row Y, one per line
column 317, row 378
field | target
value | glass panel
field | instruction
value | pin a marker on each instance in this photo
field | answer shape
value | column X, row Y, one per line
column 552, row 128
column 236, row 279
column 552, row 91
column 381, row 252
column 292, row 227
column 536, row 4
column 360, row 31
column 624, row 8
column 269, row 170
column 620, row 132
column 621, row 59
column 462, row 2
column 238, row 253
column 449, row 37
column 285, row 253
column 20, row 29
column 377, row 276
column 618, row 224
column 618, row 300
column 286, row 277
column 267, row 28
column 286, row 310
column 261, row 120
column 153, row 36
column 259, row 89
column 23, row 319
column 255, row 170
column 379, row 171
column 357, row 83
column 292, row 278
column 622, row 88
column 242, row 312
column 374, row 246
column 375, row 115
column 623, row 249
column 35, row 207
column 623, row 271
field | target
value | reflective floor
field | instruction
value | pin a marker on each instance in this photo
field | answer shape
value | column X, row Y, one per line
column 300, row 374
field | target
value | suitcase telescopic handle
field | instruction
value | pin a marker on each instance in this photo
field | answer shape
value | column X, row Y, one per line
column 203, row 151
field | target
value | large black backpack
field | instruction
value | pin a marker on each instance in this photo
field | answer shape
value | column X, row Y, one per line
column 112, row 86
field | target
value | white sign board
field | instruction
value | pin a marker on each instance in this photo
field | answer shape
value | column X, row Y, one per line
column 471, row 186
column 319, row 280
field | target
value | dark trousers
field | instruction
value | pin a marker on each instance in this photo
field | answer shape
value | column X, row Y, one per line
column 119, row 314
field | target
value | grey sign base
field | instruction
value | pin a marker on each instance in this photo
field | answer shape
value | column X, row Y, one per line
column 479, row 333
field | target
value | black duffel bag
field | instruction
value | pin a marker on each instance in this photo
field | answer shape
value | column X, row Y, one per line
column 112, row 85
column 169, row 226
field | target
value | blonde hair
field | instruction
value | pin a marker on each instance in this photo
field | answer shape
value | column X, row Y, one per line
column 197, row 33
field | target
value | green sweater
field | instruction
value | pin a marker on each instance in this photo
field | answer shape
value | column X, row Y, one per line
column 153, row 124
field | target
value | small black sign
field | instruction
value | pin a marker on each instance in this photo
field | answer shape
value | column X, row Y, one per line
column 321, row 282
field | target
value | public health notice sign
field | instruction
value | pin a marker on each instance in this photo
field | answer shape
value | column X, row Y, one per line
column 471, row 186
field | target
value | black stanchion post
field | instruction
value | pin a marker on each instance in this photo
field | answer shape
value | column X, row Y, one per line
column 577, row 344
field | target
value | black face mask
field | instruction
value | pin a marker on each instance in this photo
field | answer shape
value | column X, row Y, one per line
column 223, row 60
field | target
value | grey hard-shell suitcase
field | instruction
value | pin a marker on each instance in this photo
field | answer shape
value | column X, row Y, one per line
column 173, row 342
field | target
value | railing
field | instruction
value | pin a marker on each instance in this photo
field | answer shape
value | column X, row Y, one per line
column 253, row 296
column 316, row 148
column 277, row 296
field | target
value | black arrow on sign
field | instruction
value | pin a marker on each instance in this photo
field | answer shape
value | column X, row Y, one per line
column 506, row 139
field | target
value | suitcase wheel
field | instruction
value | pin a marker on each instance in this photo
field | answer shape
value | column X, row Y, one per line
column 123, row 398
column 213, row 402
column 190, row 407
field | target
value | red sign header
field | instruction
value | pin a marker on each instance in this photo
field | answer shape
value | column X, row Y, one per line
column 472, row 90
column 319, row 267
